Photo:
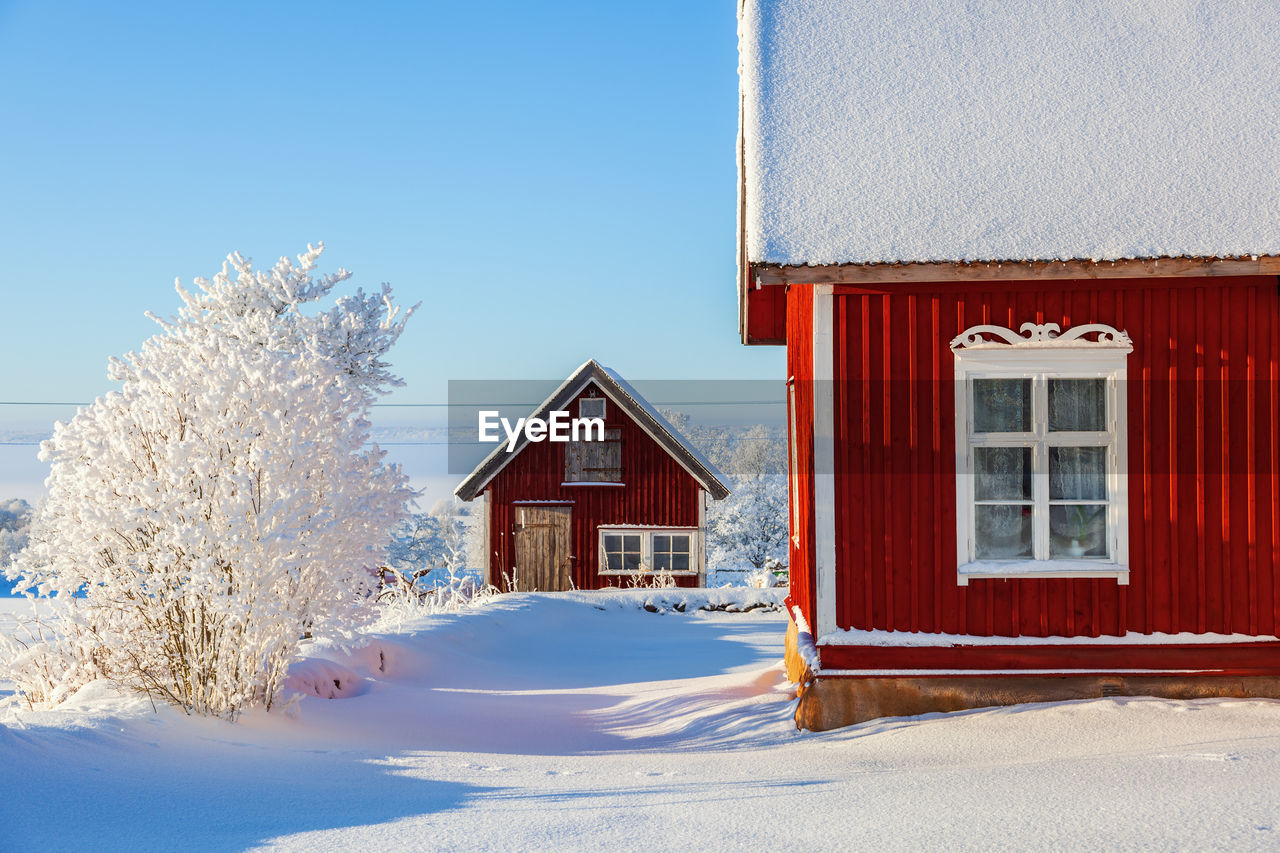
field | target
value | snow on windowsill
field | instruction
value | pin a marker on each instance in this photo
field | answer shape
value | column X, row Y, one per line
column 1015, row 569
column 853, row 637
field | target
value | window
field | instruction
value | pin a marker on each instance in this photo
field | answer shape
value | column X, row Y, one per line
column 1040, row 452
column 591, row 462
column 622, row 552
column 591, row 407
column 671, row 552
column 626, row 550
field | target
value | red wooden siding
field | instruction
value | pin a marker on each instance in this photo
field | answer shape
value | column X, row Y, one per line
column 1203, row 413
column 766, row 320
column 799, row 333
column 657, row 491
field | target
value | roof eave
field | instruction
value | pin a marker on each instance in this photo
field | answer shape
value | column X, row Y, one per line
column 765, row 274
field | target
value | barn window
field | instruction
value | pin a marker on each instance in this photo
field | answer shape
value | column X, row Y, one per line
column 671, row 552
column 660, row 549
column 1040, row 452
column 591, row 407
column 594, row 462
column 622, row 552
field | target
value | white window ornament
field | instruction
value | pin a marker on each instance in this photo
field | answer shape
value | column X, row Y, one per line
column 1040, row 452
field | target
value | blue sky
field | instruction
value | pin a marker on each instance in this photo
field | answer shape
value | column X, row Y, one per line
column 552, row 181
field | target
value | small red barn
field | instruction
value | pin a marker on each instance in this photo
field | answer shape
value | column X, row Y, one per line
column 590, row 514
column 1024, row 260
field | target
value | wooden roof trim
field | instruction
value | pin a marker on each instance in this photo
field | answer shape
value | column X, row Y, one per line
column 770, row 274
column 621, row 394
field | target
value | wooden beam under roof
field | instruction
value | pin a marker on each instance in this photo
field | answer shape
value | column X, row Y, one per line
column 769, row 274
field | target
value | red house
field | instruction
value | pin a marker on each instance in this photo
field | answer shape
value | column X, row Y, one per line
column 590, row 514
column 1025, row 264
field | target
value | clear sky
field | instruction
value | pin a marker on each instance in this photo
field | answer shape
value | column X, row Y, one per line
column 553, row 181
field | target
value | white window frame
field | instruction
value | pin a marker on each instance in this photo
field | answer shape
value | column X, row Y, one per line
column 646, row 548
column 603, row 407
column 1040, row 353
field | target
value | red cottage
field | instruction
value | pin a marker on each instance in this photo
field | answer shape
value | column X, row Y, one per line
column 590, row 514
column 1024, row 261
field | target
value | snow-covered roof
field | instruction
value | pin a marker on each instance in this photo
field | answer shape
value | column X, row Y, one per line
column 879, row 131
column 629, row 400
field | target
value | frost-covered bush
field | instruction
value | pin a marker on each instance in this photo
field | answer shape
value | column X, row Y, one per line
column 772, row 574
column 406, row 595
column 225, row 502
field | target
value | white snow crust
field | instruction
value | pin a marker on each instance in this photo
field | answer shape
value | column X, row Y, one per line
column 541, row 722
column 949, row 130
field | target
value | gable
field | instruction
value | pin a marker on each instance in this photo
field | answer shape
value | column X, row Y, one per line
column 630, row 404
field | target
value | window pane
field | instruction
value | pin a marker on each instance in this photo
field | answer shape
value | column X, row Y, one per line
column 1077, row 405
column 1003, row 473
column 661, row 543
column 631, row 561
column 661, row 562
column 680, row 544
column 613, row 561
column 1078, row 531
column 612, row 543
column 1002, row 532
column 1002, row 405
column 1077, row 473
column 631, row 543
column 680, row 562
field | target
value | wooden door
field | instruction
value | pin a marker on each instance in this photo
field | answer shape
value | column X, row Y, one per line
column 542, row 548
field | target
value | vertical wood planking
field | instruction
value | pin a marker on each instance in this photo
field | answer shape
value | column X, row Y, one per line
column 1204, row 507
column 800, row 369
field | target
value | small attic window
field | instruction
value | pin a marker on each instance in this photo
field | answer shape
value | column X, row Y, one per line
column 591, row 407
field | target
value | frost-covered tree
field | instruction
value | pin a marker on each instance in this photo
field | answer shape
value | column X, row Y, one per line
column 15, row 518
column 416, row 543
column 750, row 526
column 441, row 539
column 226, row 501
column 452, row 515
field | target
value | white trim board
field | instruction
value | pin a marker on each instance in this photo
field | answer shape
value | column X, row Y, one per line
column 824, row 462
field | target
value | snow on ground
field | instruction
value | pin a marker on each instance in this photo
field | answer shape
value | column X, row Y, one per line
column 581, row 721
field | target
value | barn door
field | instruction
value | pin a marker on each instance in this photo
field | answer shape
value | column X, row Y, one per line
column 542, row 548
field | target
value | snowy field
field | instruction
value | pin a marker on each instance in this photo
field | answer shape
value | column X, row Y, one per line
column 580, row 721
